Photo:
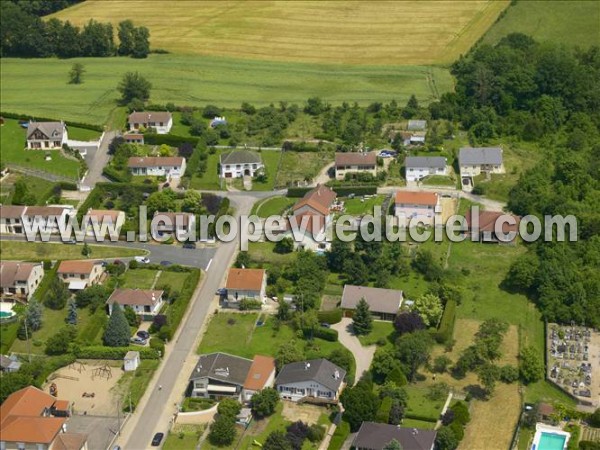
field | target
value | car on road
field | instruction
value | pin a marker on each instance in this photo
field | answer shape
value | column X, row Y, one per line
column 156, row 440
column 189, row 245
column 166, row 263
column 71, row 241
column 143, row 334
column 142, row 259
column 138, row 340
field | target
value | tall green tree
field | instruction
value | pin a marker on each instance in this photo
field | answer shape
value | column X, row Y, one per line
column 531, row 367
column 265, row 402
column 222, row 431
column 360, row 405
column 414, row 350
column 76, row 73
column 429, row 307
column 72, row 312
column 117, row 333
column 57, row 295
column 126, row 38
column 362, row 321
column 141, row 47
column 277, row 440
column 134, row 86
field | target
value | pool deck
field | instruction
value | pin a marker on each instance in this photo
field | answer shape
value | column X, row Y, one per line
column 541, row 428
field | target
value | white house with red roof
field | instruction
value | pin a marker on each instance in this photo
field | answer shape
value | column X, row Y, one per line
column 245, row 284
column 161, row 121
column 80, row 274
column 416, row 208
column 145, row 302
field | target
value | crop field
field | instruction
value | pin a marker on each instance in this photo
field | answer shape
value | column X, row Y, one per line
column 355, row 32
column 573, row 22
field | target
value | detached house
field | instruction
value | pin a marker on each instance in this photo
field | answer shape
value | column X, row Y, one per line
column 317, row 380
column 159, row 166
column 11, row 219
column 383, row 303
column 245, row 284
column 111, row 218
column 413, row 208
column 375, row 436
column 45, row 218
column 145, row 302
column 355, row 162
column 161, row 121
column 19, row 280
column 418, row 167
column 474, row 161
column 46, row 135
column 261, row 375
column 482, row 227
column 240, row 163
column 80, row 274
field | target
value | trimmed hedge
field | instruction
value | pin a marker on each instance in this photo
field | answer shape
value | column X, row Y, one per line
column 17, row 116
column 115, row 175
column 177, row 309
column 169, row 139
column 383, row 413
column 67, row 186
column 345, row 190
column 295, row 146
column 297, row 192
column 339, row 436
column 327, row 334
column 420, row 417
column 330, row 317
column 100, row 352
column 446, row 328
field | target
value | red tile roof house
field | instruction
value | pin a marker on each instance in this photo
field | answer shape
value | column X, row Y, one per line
column 261, row 375
column 80, row 274
column 13, row 219
column 355, row 162
column 159, row 166
column 146, row 303
column 94, row 218
column 33, row 419
column 173, row 222
column 161, row 121
column 414, row 207
column 18, row 280
column 245, row 284
column 486, row 221
column 315, row 209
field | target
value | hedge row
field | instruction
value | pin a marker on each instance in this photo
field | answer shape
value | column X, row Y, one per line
column 17, row 116
column 446, row 329
column 67, row 186
column 289, row 146
column 339, row 436
column 115, row 175
column 331, row 317
column 178, row 307
column 420, row 417
column 100, row 352
column 169, row 139
column 343, row 190
column 297, row 192
column 327, row 334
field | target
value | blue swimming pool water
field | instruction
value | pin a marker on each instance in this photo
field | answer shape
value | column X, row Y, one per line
column 4, row 314
column 551, row 441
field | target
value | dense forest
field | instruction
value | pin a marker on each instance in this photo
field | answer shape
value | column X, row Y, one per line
column 547, row 94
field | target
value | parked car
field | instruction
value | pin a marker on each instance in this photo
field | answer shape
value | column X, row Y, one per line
column 222, row 292
column 189, row 245
column 156, row 440
column 142, row 259
column 71, row 241
column 325, row 325
column 166, row 263
column 143, row 334
column 138, row 340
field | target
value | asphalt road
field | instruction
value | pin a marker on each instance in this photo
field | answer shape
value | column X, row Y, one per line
column 99, row 160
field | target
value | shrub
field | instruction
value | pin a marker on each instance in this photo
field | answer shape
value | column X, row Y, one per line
column 461, row 413
column 509, row 374
column 383, row 413
column 264, row 402
column 115, row 353
column 326, row 334
column 169, row 139
column 448, row 417
column 316, row 433
column 247, row 304
column 331, row 317
column 158, row 345
column 446, row 328
column 58, row 344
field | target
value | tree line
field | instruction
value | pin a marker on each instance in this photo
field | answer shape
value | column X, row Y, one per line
column 24, row 34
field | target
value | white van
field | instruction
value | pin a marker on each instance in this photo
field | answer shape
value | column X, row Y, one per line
column 142, row 259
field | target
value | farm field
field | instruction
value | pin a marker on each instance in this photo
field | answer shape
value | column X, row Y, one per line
column 355, row 32
column 37, row 251
column 39, row 86
column 572, row 22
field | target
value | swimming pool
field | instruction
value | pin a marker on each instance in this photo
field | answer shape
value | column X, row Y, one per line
column 5, row 314
column 549, row 438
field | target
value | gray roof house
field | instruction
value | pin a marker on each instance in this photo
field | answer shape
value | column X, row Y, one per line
column 317, row 381
column 416, row 125
column 218, row 375
column 480, row 155
column 239, row 163
column 383, row 303
column 9, row 363
column 375, row 436
column 46, row 135
column 430, row 162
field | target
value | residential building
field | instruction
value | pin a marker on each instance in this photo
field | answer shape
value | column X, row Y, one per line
column 317, row 380
column 33, row 419
column 482, row 226
column 416, row 125
column 11, row 219
column 245, row 284
column 176, row 224
column 19, row 280
column 261, row 375
column 474, row 161
column 158, row 166
column 161, row 121
column 417, row 138
column 355, row 162
column 80, row 274
column 134, row 137
column 383, row 303
column 219, row 375
column 145, row 302
column 418, row 167
column 111, row 218
column 416, row 208
column 375, row 436
column 14, row 219
column 239, row 163
column 46, row 135
column 9, row 363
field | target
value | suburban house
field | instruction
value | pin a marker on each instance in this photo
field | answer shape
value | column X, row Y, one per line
column 418, row 167
column 474, row 161
column 19, row 280
column 159, row 166
column 355, row 162
column 414, row 208
column 173, row 223
column 134, row 137
column 161, row 121
column 311, row 218
column 11, row 219
column 383, row 303
column 80, row 274
column 145, row 302
column 33, row 419
column 375, row 436
column 416, row 125
column 221, row 375
column 94, row 218
column 240, row 163
column 317, row 380
column 261, row 375
column 245, row 284
column 9, row 363
column 482, row 226
column 46, row 135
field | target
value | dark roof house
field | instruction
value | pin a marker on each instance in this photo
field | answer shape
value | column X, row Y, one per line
column 382, row 302
column 418, row 162
column 321, row 371
column 222, row 367
column 52, row 130
column 240, row 157
column 468, row 156
column 375, row 436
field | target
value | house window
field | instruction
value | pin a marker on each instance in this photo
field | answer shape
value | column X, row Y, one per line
column 160, row 123
column 57, row 143
column 82, row 277
column 146, row 308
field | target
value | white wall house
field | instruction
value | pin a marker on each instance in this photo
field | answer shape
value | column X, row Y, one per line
column 18, row 280
column 145, row 302
column 160, row 166
column 412, row 208
column 46, row 135
column 240, row 163
column 245, row 284
column 316, row 380
column 474, row 161
column 161, row 121
column 355, row 162
column 261, row 375
column 46, row 218
column 418, row 167
column 80, row 274
column 11, row 219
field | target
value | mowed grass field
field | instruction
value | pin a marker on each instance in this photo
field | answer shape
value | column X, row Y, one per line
column 573, row 22
column 353, row 32
column 40, row 86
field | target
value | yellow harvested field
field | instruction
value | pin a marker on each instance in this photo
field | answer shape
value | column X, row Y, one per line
column 349, row 32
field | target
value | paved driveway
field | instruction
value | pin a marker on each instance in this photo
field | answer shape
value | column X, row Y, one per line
column 362, row 355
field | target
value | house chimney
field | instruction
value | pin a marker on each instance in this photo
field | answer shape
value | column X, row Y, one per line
column 336, row 374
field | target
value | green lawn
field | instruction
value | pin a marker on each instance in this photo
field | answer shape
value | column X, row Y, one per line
column 138, row 278
column 40, row 87
column 271, row 161
column 573, row 22
column 184, row 437
column 419, row 404
column 37, row 251
column 210, row 179
column 421, row 424
column 272, row 206
column 360, row 206
column 41, row 189
column 381, row 330
column 263, row 252
column 301, row 166
column 12, row 142
column 83, row 134
column 545, row 391
column 136, row 382
column 438, row 180
column 174, row 279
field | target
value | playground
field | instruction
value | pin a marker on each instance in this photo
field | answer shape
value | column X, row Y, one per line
column 88, row 386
